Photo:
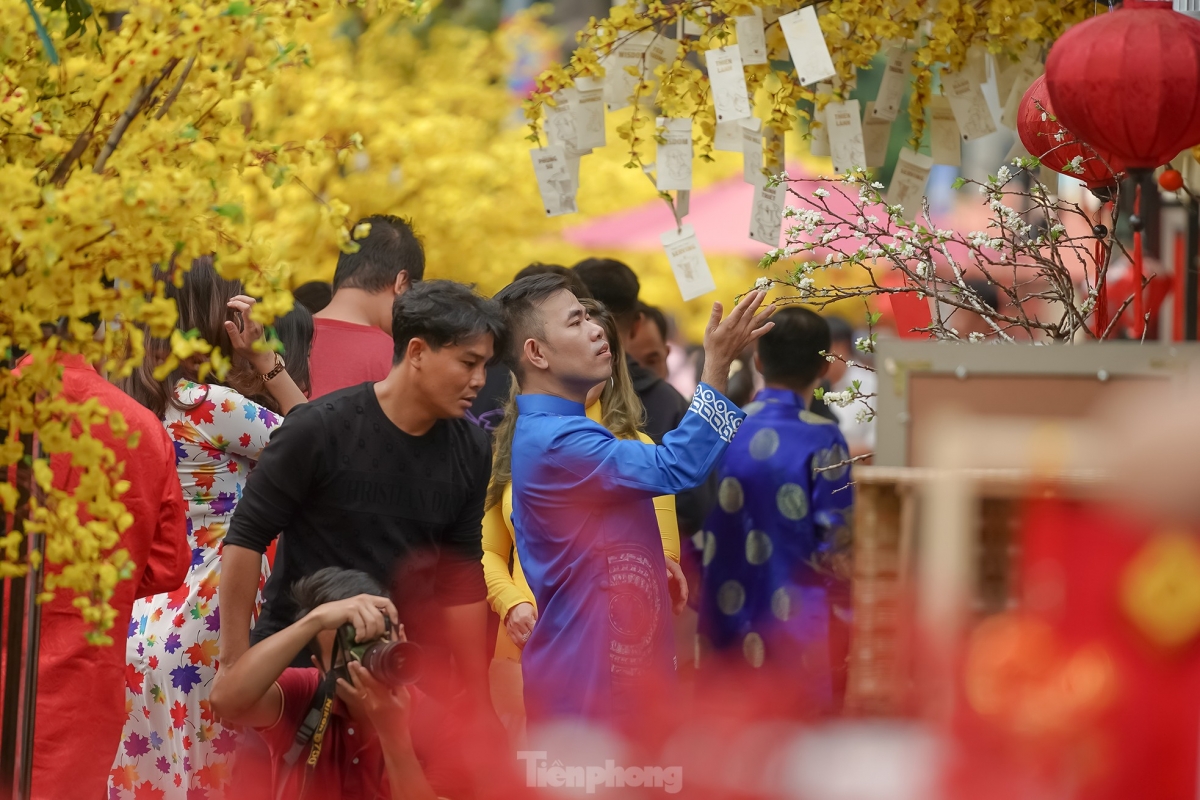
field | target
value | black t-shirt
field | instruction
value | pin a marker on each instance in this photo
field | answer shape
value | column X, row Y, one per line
column 349, row 489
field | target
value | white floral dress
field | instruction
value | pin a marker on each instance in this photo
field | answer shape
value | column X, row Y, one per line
column 172, row 746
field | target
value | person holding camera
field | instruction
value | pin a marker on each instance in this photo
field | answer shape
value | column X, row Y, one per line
column 349, row 726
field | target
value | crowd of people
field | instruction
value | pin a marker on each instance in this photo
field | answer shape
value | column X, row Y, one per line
column 411, row 516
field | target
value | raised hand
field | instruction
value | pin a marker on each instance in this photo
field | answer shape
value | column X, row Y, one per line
column 726, row 339
column 243, row 339
column 366, row 613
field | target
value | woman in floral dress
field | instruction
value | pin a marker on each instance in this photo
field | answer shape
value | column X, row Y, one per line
column 172, row 746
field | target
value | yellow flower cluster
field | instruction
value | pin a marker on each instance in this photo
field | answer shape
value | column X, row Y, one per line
column 940, row 34
column 129, row 138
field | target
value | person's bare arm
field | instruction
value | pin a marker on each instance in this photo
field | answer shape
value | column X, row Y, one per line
column 281, row 387
column 244, row 693
column 240, row 569
column 465, row 629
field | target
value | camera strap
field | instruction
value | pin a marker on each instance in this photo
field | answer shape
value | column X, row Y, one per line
column 311, row 733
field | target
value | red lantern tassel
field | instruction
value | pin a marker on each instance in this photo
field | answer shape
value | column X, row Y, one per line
column 1139, row 323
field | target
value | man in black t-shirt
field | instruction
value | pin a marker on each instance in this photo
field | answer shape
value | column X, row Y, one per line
column 387, row 478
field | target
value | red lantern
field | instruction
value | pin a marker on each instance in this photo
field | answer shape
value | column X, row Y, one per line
column 1056, row 147
column 1128, row 82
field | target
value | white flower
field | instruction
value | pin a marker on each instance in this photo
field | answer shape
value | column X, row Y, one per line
column 1045, row 116
column 923, row 270
column 975, row 336
column 1003, row 176
column 840, row 399
column 876, row 185
column 864, row 344
column 864, row 414
column 762, row 284
column 1075, row 165
column 820, row 193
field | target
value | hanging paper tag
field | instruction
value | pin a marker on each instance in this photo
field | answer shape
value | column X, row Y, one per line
column 683, row 204
column 589, row 113
column 728, row 136
column 560, row 121
column 806, row 43
column 751, row 37
column 818, row 144
column 688, row 263
column 675, row 154
column 1006, row 74
column 845, row 136
column 692, row 27
column 945, row 140
column 908, row 182
column 1026, row 74
column 893, row 83
column 976, row 66
column 554, row 180
column 970, row 107
column 876, row 135
column 728, row 81
column 766, row 216
column 752, row 152
column 633, row 51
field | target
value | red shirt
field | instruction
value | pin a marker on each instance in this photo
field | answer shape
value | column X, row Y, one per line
column 77, row 734
column 351, row 765
column 346, row 354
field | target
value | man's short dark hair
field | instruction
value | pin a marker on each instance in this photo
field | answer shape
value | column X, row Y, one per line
column 314, row 295
column 389, row 249
column 791, row 351
column 523, row 320
column 840, row 331
column 331, row 584
column 574, row 282
column 612, row 283
column 443, row 313
column 656, row 316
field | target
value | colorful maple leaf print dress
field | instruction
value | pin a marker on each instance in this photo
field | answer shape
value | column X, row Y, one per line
column 172, row 745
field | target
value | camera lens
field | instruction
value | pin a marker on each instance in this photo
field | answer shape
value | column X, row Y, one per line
column 395, row 663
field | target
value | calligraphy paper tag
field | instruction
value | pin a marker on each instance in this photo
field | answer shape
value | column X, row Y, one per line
column 560, row 122
column 908, row 182
column 752, row 38
column 683, row 204
column 766, row 215
column 589, row 113
column 818, row 145
column 877, row 133
column 806, row 43
column 728, row 136
column 1027, row 72
column 688, row 263
column 893, row 83
column 554, row 180
column 976, row 66
column 675, row 154
column 728, row 81
column 845, row 135
column 970, row 107
column 641, row 51
column 752, row 152
column 1006, row 73
column 944, row 137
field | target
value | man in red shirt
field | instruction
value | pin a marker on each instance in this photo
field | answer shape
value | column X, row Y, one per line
column 352, row 337
column 78, row 732
column 379, row 742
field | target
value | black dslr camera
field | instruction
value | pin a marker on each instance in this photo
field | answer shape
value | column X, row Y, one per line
column 393, row 663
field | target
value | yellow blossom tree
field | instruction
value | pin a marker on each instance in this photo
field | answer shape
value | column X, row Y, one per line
column 128, row 137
